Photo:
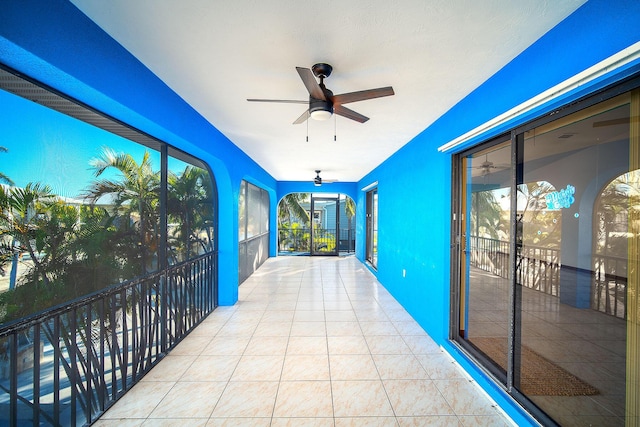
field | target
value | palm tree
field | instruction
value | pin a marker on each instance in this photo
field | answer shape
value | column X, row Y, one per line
column 136, row 195
column 290, row 208
column 4, row 178
column 349, row 207
column 20, row 221
column 190, row 204
column 616, row 209
column 485, row 214
column 540, row 225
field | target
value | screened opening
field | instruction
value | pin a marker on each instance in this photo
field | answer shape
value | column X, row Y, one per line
column 253, row 227
column 107, row 254
column 316, row 224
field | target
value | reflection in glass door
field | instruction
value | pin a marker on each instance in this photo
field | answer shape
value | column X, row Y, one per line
column 484, row 290
column 547, row 231
column 575, row 192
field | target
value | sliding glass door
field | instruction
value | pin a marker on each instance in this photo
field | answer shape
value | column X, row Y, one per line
column 372, row 227
column 485, row 278
column 546, row 267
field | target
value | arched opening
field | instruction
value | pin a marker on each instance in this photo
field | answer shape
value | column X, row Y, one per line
column 615, row 207
column 316, row 224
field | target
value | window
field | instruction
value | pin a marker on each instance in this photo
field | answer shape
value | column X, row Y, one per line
column 253, row 226
column 81, row 205
column 107, row 254
column 545, row 280
column 190, row 206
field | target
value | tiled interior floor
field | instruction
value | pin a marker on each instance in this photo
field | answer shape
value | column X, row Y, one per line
column 312, row 341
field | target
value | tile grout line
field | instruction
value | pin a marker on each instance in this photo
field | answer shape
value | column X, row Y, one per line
column 324, row 312
column 395, row 415
column 284, row 358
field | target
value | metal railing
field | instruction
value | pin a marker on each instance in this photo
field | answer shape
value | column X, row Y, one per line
column 69, row 364
column 299, row 240
column 490, row 255
column 609, row 288
column 539, row 268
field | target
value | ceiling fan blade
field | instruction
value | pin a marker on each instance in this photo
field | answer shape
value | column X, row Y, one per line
column 285, row 101
column 311, row 84
column 349, row 114
column 303, row 118
column 362, row 95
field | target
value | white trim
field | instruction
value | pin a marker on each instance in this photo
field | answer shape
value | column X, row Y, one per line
column 370, row 186
column 612, row 63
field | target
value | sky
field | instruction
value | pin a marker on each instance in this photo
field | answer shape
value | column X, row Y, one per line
column 51, row 148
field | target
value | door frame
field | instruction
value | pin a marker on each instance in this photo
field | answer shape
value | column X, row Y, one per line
column 313, row 231
column 371, row 227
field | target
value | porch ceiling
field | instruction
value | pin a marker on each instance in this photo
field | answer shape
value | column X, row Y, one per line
column 216, row 54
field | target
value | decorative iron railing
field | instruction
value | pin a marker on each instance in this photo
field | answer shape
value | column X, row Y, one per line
column 325, row 240
column 490, row 255
column 69, row 364
column 539, row 268
column 609, row 289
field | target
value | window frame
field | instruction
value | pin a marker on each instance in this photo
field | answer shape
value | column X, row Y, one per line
column 32, row 90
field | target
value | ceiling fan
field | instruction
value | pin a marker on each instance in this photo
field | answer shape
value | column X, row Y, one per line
column 318, row 181
column 322, row 102
column 488, row 167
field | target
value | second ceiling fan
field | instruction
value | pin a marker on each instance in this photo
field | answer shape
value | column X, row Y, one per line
column 322, row 102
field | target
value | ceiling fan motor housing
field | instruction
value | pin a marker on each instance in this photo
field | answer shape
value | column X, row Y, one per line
column 320, row 105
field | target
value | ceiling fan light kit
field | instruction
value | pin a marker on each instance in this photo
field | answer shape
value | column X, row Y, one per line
column 322, row 102
column 320, row 110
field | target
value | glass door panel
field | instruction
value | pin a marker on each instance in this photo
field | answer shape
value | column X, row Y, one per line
column 325, row 225
column 484, row 276
column 547, row 231
column 574, row 224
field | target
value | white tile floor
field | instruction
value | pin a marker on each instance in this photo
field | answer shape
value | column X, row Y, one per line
column 311, row 342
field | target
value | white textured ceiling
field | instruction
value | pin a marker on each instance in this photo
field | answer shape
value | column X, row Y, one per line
column 217, row 53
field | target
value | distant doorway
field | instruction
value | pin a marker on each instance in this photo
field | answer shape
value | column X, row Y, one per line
column 372, row 227
column 316, row 224
column 325, row 221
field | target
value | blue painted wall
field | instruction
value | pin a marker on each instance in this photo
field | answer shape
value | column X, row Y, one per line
column 53, row 42
column 414, row 184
